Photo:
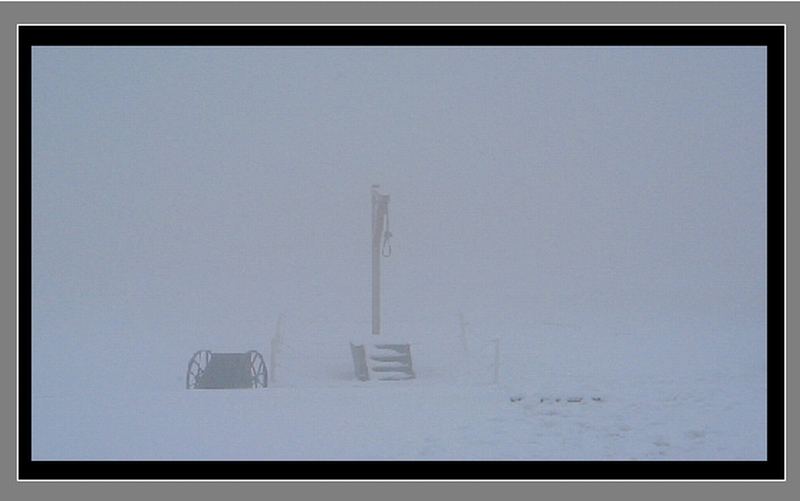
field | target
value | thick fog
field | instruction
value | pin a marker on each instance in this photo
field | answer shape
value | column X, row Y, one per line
column 186, row 197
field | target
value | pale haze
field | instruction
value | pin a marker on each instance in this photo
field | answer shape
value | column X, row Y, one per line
column 599, row 211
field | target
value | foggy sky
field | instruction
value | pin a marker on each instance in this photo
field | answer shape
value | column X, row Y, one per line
column 191, row 193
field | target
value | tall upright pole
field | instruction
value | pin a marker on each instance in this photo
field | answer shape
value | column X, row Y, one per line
column 380, row 207
column 376, row 266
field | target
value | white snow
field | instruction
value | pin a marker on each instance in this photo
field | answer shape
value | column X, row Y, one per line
column 644, row 395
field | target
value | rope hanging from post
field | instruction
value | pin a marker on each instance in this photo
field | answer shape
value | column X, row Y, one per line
column 386, row 249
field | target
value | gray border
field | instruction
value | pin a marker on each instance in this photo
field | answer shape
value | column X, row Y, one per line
column 307, row 12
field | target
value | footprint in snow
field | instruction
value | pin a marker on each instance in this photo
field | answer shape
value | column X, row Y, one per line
column 696, row 434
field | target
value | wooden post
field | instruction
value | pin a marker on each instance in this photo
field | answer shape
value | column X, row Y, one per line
column 463, row 324
column 376, row 266
column 496, row 372
column 275, row 345
column 380, row 205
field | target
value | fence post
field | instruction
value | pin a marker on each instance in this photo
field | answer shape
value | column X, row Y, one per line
column 463, row 324
column 496, row 368
column 275, row 346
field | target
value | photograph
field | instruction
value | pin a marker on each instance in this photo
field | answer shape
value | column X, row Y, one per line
column 487, row 247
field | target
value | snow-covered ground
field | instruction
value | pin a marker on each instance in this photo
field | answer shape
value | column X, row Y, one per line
column 643, row 395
